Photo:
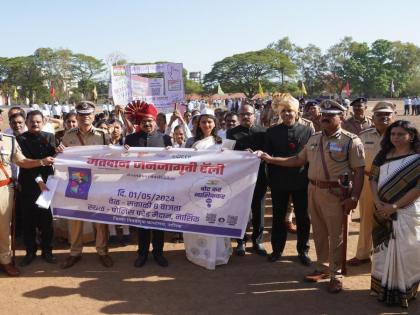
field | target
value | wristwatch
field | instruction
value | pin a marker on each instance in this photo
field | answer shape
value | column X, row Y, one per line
column 394, row 206
column 353, row 198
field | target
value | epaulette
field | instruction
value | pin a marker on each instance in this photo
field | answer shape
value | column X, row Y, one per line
column 75, row 129
column 348, row 134
column 366, row 130
column 98, row 130
column 307, row 121
column 318, row 133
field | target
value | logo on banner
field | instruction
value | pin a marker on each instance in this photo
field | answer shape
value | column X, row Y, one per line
column 210, row 193
column 79, row 183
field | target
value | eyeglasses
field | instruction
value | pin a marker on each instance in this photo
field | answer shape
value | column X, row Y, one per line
column 246, row 114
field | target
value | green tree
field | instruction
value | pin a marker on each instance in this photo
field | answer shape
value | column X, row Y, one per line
column 243, row 72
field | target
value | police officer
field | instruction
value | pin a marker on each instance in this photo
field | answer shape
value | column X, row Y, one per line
column 86, row 134
column 359, row 121
column 287, row 139
column 10, row 152
column 149, row 137
column 330, row 153
column 250, row 136
column 312, row 113
column 383, row 116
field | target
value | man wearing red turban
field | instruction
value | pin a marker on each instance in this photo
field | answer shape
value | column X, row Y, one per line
column 145, row 115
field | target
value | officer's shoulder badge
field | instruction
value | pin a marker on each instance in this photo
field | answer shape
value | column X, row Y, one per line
column 348, row 134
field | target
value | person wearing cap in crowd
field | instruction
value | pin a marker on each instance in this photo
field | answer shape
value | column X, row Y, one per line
column 359, row 121
column 10, row 152
column 86, row 134
column 251, row 136
column 149, row 136
column 284, row 140
column 383, row 116
column 331, row 154
column 312, row 112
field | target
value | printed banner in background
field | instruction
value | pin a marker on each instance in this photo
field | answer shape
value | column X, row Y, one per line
column 128, row 84
column 183, row 190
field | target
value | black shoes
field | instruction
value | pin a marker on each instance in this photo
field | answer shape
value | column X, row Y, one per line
column 240, row 249
column 160, row 260
column 304, row 259
column 140, row 261
column 259, row 249
column 28, row 259
column 274, row 256
column 49, row 257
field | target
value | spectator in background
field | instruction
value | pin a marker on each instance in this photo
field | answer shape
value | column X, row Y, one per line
column 56, row 110
column 413, row 106
column 407, row 104
column 161, row 123
column 116, row 130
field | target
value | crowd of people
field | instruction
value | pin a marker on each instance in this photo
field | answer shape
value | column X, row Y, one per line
column 308, row 150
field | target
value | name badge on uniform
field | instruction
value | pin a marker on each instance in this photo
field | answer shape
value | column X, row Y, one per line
column 335, row 147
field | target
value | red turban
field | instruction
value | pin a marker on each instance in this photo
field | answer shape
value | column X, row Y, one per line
column 137, row 110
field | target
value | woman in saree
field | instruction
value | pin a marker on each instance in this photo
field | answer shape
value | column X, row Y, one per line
column 396, row 238
column 208, row 251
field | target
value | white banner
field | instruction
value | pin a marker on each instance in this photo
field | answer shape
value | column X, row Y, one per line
column 183, row 190
column 128, row 85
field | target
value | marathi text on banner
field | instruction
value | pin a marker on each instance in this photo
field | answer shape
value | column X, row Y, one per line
column 180, row 190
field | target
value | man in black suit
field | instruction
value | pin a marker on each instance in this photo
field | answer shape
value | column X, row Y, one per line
column 250, row 136
column 36, row 144
column 284, row 140
column 149, row 137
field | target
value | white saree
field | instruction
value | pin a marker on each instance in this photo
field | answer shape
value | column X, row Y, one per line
column 396, row 262
column 208, row 251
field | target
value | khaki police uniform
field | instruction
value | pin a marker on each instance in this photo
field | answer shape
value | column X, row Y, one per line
column 8, row 144
column 343, row 152
column 316, row 123
column 306, row 122
column 371, row 140
column 355, row 126
column 94, row 137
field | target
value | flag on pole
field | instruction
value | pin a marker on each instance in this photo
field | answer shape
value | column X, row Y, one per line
column 15, row 94
column 347, row 89
column 95, row 93
column 392, row 87
column 260, row 90
column 303, row 89
column 52, row 90
column 219, row 90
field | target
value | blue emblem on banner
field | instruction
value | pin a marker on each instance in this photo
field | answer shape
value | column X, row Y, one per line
column 79, row 183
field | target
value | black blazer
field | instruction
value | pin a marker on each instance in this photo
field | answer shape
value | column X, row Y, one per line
column 35, row 146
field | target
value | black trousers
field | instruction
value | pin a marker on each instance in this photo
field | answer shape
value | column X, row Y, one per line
column 257, row 209
column 144, row 238
column 35, row 218
column 279, row 230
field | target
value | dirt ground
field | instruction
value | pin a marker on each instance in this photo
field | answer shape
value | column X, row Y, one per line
column 247, row 285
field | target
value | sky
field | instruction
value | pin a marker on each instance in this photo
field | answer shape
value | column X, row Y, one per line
column 197, row 33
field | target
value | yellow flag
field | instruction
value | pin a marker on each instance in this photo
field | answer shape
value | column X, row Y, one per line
column 260, row 90
column 15, row 94
column 95, row 93
column 304, row 89
column 219, row 90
